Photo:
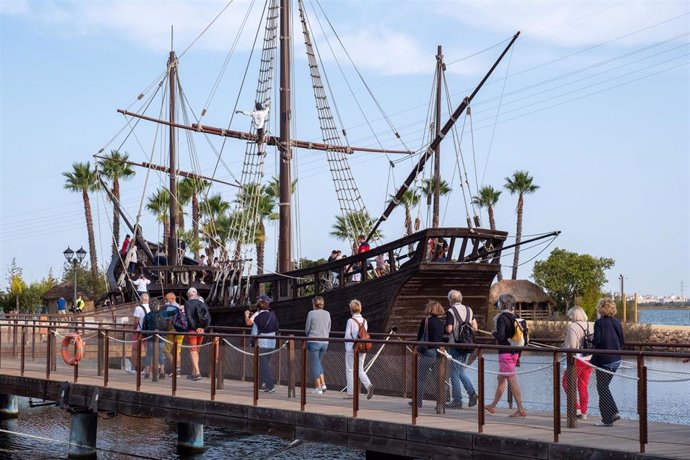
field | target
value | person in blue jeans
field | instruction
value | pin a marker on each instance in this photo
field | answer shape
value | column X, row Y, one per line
column 264, row 325
column 608, row 335
column 460, row 318
column 318, row 325
column 430, row 330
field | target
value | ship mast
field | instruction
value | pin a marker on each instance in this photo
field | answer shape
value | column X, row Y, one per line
column 172, row 238
column 285, row 148
column 437, row 151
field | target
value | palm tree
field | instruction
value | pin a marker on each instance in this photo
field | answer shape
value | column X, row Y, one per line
column 83, row 179
column 212, row 208
column 427, row 189
column 190, row 189
column 487, row 197
column 159, row 205
column 114, row 167
column 520, row 183
column 348, row 227
column 409, row 200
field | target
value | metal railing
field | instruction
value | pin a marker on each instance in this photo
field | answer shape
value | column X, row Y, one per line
column 394, row 367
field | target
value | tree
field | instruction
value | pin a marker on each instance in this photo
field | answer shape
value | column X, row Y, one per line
column 83, row 179
column 409, row 200
column 487, row 197
column 115, row 168
column 16, row 283
column 348, row 227
column 159, row 205
column 429, row 186
column 190, row 189
column 212, row 208
column 568, row 275
column 520, row 183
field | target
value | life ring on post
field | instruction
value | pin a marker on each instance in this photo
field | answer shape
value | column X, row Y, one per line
column 70, row 339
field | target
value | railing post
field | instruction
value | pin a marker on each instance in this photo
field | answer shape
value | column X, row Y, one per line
column 23, row 351
column 100, row 350
column 292, row 367
column 49, row 352
column 220, row 377
column 480, row 384
column 556, row 397
column 415, row 370
column 256, row 373
column 571, row 392
column 175, row 348
column 355, row 381
column 154, row 341
column 53, row 360
column 303, row 376
column 243, row 374
column 106, row 359
column 33, row 341
column 214, row 364
column 14, row 337
column 642, row 401
column 138, row 361
column 441, row 380
column 1, row 345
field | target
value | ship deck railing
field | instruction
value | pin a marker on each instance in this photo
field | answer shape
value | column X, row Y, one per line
column 442, row 246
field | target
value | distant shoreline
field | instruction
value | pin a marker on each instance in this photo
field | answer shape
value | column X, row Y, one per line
column 661, row 307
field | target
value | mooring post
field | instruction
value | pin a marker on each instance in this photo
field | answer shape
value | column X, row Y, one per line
column 190, row 438
column 9, row 407
column 82, row 435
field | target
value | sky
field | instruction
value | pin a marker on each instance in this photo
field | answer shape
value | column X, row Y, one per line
column 593, row 101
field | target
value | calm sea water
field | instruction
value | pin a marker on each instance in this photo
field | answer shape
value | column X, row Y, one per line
column 669, row 317
column 43, row 433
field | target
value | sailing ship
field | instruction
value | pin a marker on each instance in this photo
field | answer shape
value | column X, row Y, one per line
column 418, row 267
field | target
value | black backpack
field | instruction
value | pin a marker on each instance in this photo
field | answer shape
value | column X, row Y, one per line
column 154, row 321
column 464, row 332
column 197, row 314
column 586, row 341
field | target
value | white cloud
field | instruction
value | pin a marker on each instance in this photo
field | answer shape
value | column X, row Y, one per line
column 14, row 7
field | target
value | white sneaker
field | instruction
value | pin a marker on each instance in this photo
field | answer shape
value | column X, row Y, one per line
column 578, row 412
column 323, row 388
column 128, row 365
column 316, row 391
column 583, row 417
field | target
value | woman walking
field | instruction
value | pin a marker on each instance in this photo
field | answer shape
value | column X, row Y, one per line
column 430, row 330
column 318, row 325
column 608, row 335
column 352, row 333
column 507, row 359
column 579, row 329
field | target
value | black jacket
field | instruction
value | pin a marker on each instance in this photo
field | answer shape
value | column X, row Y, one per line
column 608, row 335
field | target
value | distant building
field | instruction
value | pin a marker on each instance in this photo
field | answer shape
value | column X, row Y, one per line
column 532, row 301
column 66, row 290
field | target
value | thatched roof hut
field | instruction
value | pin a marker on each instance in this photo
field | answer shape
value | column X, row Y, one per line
column 65, row 290
column 532, row 301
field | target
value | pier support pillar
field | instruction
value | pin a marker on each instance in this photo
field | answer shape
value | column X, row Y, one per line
column 190, row 438
column 9, row 407
column 373, row 455
column 82, row 435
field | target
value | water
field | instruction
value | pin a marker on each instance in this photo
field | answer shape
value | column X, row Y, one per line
column 45, row 435
column 668, row 317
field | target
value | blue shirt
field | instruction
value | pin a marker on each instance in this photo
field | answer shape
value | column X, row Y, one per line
column 61, row 303
column 265, row 324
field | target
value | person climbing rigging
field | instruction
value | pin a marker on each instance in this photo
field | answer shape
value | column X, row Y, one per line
column 259, row 116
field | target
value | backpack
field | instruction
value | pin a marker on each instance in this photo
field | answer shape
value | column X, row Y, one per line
column 154, row 321
column 362, row 334
column 520, row 336
column 198, row 316
column 180, row 322
column 586, row 341
column 463, row 333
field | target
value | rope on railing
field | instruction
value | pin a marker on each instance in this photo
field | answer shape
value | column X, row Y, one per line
column 448, row 356
column 282, row 347
column 84, row 339
column 128, row 341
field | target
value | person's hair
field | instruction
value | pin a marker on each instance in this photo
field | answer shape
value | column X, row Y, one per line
column 141, row 275
column 259, row 106
column 433, row 308
column 355, row 306
column 144, row 297
column 506, row 302
column 577, row 313
column 606, row 307
column 191, row 292
column 262, row 304
column 170, row 297
column 361, row 237
column 318, row 302
column 454, row 296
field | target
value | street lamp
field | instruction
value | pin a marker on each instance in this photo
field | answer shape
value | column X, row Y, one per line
column 70, row 256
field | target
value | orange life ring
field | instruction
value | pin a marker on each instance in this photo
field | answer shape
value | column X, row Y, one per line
column 70, row 339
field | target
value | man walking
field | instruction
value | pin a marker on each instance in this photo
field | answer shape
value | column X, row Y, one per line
column 198, row 319
column 460, row 326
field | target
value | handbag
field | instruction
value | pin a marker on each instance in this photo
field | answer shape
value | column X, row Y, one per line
column 425, row 337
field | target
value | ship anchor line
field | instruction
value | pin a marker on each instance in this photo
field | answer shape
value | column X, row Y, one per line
column 386, row 279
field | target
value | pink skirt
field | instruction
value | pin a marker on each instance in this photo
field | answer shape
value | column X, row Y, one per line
column 506, row 364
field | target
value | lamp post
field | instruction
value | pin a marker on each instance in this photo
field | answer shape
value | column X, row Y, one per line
column 74, row 258
column 623, row 299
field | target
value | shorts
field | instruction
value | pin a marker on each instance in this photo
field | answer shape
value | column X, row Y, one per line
column 169, row 344
column 506, row 364
column 194, row 341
